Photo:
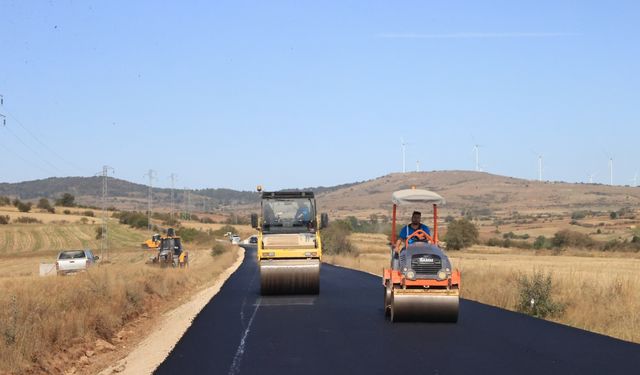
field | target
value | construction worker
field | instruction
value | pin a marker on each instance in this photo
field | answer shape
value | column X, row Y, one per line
column 304, row 213
column 408, row 230
column 183, row 259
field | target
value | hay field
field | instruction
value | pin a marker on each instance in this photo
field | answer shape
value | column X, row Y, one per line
column 37, row 334
column 29, row 238
column 46, row 217
column 601, row 290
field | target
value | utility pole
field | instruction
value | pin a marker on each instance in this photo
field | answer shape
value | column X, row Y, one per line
column 184, row 204
column 417, row 165
column 4, row 118
column 151, row 174
column 173, row 178
column 189, row 204
column 104, row 245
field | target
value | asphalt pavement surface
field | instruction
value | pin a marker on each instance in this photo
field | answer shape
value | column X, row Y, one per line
column 343, row 330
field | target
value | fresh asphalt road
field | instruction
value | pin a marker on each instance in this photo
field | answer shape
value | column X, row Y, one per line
column 343, row 330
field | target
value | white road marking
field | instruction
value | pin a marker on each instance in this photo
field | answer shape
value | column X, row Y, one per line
column 237, row 359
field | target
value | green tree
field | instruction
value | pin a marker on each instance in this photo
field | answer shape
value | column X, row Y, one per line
column 24, row 207
column 67, row 200
column 540, row 242
column 44, row 204
column 460, row 234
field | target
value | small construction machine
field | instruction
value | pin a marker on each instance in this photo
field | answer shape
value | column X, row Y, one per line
column 170, row 252
column 289, row 248
column 152, row 243
column 421, row 284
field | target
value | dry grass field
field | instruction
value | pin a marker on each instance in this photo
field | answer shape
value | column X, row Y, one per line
column 243, row 230
column 601, row 291
column 48, row 324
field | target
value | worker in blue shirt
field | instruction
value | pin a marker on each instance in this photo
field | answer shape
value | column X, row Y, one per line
column 304, row 213
column 408, row 230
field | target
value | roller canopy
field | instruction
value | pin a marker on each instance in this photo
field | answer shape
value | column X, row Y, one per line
column 411, row 196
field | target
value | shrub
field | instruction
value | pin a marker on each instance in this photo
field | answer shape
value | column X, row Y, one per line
column 44, row 204
column 206, row 220
column 335, row 238
column 89, row 213
column 540, row 242
column 223, row 230
column 171, row 222
column 27, row 220
column 99, row 233
column 67, row 212
column 4, row 201
column 577, row 215
column 189, row 234
column 219, row 248
column 133, row 219
column 4, row 219
column 613, row 215
column 67, row 200
column 84, row 220
column 24, row 207
column 568, row 238
column 460, row 234
column 494, row 242
column 534, row 296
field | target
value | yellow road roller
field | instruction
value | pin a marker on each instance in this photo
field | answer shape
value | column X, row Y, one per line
column 421, row 283
column 289, row 248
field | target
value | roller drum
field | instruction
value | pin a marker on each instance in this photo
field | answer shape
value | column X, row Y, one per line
column 289, row 276
column 424, row 306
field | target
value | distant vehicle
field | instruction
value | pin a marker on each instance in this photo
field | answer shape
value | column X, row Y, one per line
column 253, row 239
column 70, row 261
column 235, row 239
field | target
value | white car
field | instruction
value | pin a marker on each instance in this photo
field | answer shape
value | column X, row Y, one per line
column 71, row 261
column 235, row 239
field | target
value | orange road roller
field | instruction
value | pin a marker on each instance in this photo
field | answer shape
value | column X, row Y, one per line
column 421, row 283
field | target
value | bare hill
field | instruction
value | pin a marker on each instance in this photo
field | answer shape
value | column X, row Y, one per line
column 464, row 190
column 467, row 190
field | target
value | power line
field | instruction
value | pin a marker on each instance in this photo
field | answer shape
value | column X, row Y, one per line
column 104, row 245
column 43, row 144
column 152, row 175
column 172, row 176
column 31, row 149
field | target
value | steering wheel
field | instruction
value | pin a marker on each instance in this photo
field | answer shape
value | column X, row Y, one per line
column 420, row 235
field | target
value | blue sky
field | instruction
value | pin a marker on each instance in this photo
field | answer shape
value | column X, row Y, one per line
column 293, row 94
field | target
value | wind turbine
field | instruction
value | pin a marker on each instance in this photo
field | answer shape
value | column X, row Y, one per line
column 417, row 165
column 635, row 180
column 539, row 165
column 591, row 176
column 476, row 149
column 403, row 146
column 540, row 168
